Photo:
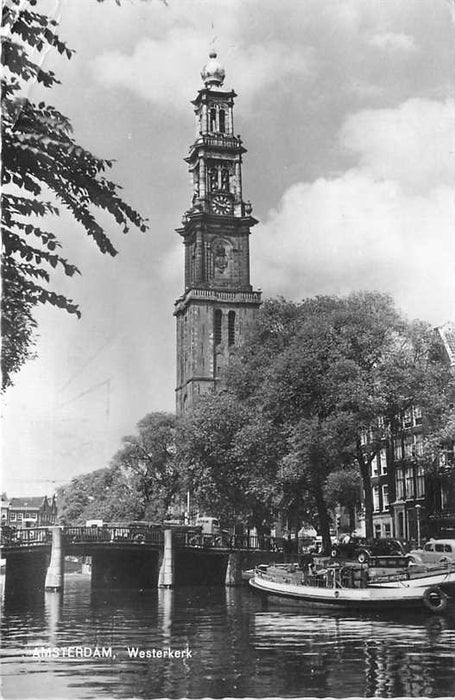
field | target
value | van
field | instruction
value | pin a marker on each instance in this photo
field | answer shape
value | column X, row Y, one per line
column 210, row 526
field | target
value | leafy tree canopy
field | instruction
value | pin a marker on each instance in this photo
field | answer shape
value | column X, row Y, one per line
column 322, row 375
column 149, row 458
column 43, row 167
column 105, row 494
column 231, row 459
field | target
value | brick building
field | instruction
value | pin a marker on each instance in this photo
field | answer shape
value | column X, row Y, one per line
column 410, row 501
column 31, row 511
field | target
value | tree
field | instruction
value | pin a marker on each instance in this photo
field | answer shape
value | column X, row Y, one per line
column 343, row 487
column 149, row 457
column 42, row 166
column 106, row 494
column 335, row 376
column 230, row 457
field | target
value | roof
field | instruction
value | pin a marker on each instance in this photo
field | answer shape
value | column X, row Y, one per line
column 28, row 502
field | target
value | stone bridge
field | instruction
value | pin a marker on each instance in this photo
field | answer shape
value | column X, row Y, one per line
column 130, row 557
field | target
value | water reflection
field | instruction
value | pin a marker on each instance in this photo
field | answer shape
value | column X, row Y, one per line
column 407, row 656
column 238, row 648
column 53, row 605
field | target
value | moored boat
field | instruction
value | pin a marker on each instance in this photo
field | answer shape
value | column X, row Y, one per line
column 343, row 587
column 416, row 577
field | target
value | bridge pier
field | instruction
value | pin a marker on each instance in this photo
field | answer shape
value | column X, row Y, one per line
column 234, row 569
column 166, row 571
column 55, row 572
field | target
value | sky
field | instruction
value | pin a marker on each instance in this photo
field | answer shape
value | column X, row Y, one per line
column 347, row 110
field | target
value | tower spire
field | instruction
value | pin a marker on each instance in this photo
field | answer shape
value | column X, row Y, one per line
column 218, row 303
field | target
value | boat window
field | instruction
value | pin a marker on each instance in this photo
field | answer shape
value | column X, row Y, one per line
column 447, row 548
column 439, row 548
column 428, row 548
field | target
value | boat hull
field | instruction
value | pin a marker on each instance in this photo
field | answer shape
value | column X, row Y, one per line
column 445, row 580
column 354, row 598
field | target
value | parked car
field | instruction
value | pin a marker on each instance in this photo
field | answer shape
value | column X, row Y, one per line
column 434, row 552
column 352, row 547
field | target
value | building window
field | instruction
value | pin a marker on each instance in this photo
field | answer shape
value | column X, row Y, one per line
column 374, row 466
column 383, row 461
column 408, row 446
column 213, row 179
column 397, row 449
column 363, row 436
column 231, row 327
column 387, row 530
column 376, row 498
column 213, row 120
column 417, row 415
column 12, row 516
column 400, row 484
column 222, row 120
column 410, row 493
column 225, row 179
column 418, row 445
column 385, row 497
column 377, row 530
column 420, row 481
column 19, row 516
column 217, row 323
column 407, row 418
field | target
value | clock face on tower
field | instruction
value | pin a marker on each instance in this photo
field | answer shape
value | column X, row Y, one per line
column 221, row 204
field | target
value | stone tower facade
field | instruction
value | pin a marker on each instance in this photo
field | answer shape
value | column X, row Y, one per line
column 218, row 303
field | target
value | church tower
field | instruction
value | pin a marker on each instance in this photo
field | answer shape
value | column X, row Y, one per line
column 218, row 303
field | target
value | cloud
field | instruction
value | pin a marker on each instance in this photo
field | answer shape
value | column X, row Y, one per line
column 413, row 144
column 368, row 228
column 158, row 69
column 390, row 41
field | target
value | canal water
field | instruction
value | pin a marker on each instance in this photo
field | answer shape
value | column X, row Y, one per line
column 229, row 644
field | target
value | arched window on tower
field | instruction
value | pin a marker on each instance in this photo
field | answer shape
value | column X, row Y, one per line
column 213, row 120
column 225, row 179
column 217, row 324
column 222, row 120
column 213, row 179
column 231, row 328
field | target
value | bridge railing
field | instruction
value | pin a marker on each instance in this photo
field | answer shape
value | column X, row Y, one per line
column 227, row 541
column 188, row 538
column 73, row 535
column 11, row 536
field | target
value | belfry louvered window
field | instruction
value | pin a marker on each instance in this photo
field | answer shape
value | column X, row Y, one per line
column 222, row 120
column 231, row 327
column 217, row 326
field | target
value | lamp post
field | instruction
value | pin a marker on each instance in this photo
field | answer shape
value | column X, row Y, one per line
column 418, row 507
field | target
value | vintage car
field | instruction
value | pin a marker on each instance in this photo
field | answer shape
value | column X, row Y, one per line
column 351, row 547
column 435, row 551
